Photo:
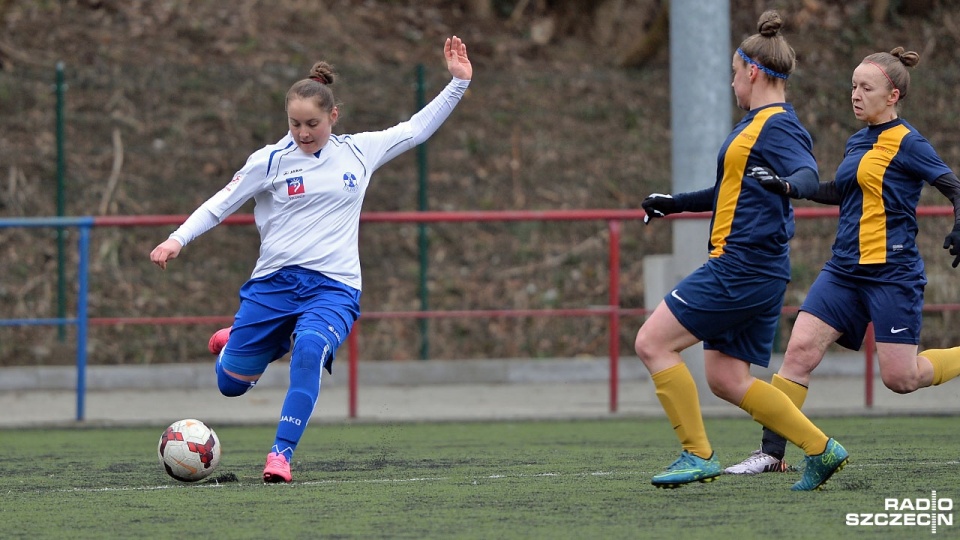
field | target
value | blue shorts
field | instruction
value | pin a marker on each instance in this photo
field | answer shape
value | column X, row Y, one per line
column 281, row 305
column 849, row 302
column 737, row 315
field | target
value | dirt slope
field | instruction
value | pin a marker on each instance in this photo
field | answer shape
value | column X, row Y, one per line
column 167, row 98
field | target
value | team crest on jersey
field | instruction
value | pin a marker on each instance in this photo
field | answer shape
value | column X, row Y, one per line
column 350, row 183
column 295, row 187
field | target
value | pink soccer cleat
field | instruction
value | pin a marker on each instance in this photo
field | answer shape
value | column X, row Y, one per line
column 277, row 469
column 219, row 340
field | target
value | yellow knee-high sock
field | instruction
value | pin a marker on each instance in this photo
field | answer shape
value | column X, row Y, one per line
column 773, row 409
column 794, row 390
column 677, row 392
column 946, row 363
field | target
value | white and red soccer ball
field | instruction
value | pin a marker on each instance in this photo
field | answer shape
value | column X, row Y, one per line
column 189, row 450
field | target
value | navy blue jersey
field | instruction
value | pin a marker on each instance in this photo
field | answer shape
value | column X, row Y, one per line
column 879, row 182
column 751, row 227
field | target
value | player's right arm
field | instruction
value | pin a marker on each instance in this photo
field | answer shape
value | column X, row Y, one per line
column 658, row 205
column 244, row 185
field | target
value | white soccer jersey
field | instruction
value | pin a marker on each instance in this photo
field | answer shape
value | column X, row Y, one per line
column 308, row 206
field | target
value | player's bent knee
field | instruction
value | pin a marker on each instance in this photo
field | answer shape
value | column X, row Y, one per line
column 900, row 386
column 642, row 345
column 724, row 388
column 901, row 383
column 231, row 386
column 309, row 350
column 312, row 350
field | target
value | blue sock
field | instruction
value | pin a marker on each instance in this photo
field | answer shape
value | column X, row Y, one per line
column 229, row 385
column 306, row 367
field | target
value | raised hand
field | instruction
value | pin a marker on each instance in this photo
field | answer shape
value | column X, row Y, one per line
column 769, row 180
column 658, row 205
column 455, row 52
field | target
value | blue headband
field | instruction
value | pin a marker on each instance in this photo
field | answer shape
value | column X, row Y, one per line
column 760, row 66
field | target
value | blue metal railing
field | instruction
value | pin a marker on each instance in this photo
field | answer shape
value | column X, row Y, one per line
column 83, row 224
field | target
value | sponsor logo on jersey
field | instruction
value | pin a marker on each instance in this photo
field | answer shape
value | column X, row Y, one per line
column 350, row 183
column 295, row 187
column 236, row 180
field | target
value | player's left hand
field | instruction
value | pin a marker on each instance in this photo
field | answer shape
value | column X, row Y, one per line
column 952, row 242
column 769, row 180
column 455, row 52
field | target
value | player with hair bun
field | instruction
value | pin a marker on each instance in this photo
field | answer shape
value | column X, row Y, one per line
column 732, row 303
column 876, row 273
column 305, row 288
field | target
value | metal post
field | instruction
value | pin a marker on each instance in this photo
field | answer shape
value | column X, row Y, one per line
column 701, row 111
column 60, row 88
column 82, row 287
column 614, row 227
column 423, row 242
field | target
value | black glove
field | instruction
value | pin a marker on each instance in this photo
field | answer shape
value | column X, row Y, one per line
column 952, row 242
column 658, row 205
column 769, row 180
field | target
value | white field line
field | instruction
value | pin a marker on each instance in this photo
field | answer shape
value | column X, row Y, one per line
column 852, row 465
column 336, row 482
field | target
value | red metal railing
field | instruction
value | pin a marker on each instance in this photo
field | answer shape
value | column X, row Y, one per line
column 613, row 310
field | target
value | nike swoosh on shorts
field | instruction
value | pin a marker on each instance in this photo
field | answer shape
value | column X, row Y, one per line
column 674, row 294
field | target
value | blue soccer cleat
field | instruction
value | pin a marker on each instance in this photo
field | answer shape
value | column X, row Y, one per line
column 686, row 469
column 820, row 468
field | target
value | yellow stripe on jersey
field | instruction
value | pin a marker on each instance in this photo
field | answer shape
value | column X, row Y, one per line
column 873, row 216
column 734, row 165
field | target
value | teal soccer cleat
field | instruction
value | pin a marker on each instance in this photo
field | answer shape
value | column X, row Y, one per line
column 686, row 469
column 820, row 468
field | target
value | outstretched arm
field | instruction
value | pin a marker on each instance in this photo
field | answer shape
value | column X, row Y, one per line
column 659, row 205
column 800, row 185
column 426, row 121
column 455, row 52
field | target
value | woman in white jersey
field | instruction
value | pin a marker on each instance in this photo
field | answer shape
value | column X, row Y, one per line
column 308, row 190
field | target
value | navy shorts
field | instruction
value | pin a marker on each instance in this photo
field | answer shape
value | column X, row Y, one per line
column 849, row 302
column 735, row 314
column 279, row 306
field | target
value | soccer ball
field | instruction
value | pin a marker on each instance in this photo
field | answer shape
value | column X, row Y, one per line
column 189, row 450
